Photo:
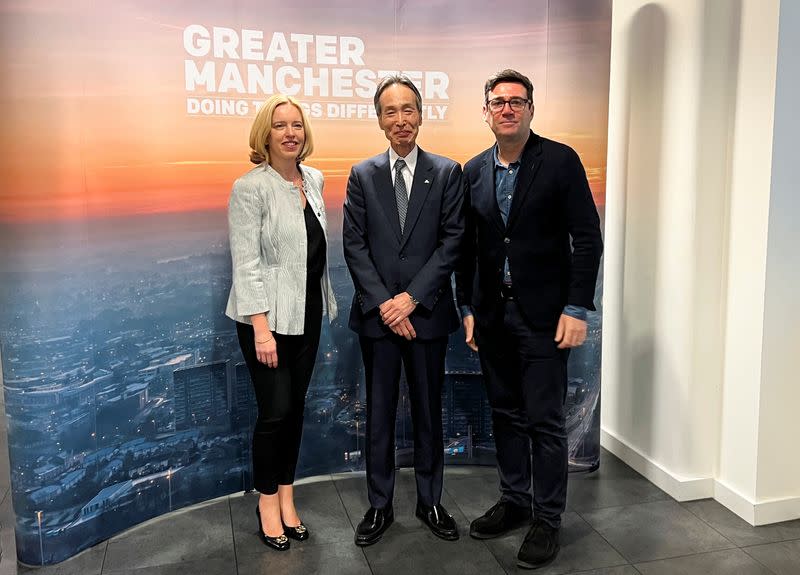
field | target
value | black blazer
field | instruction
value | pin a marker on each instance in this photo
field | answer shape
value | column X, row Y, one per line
column 384, row 263
column 552, row 204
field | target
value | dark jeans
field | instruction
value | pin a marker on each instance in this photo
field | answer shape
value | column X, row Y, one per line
column 281, row 395
column 526, row 382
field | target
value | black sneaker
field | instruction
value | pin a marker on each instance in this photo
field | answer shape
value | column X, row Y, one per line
column 540, row 546
column 499, row 519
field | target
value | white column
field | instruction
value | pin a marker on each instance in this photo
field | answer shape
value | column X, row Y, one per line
column 667, row 174
column 700, row 326
column 759, row 475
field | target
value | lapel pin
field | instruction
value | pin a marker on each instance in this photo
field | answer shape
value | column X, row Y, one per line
column 427, row 181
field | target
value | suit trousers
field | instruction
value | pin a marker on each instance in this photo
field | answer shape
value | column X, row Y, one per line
column 281, row 395
column 526, row 383
column 424, row 367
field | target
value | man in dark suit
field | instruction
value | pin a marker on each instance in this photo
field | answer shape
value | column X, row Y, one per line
column 531, row 257
column 403, row 227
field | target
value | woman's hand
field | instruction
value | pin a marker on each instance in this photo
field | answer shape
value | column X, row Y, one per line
column 267, row 350
column 266, row 346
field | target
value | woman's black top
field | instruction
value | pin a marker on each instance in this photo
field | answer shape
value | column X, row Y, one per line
column 315, row 263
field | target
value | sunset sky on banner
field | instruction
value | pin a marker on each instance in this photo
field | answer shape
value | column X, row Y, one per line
column 97, row 111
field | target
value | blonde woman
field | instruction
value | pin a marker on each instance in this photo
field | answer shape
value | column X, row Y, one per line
column 280, row 292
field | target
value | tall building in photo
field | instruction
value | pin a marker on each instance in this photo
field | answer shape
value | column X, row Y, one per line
column 244, row 416
column 203, row 395
column 244, row 407
column 465, row 405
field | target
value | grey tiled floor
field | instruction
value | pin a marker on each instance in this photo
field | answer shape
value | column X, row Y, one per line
column 617, row 523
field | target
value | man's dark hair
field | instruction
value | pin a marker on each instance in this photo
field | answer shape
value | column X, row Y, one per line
column 507, row 75
column 390, row 81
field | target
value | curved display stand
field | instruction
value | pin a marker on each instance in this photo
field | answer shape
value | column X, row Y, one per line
column 125, row 391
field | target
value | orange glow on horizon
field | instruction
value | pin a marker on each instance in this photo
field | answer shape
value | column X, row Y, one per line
column 97, row 123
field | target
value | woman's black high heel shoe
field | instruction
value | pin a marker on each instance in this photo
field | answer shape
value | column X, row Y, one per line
column 299, row 533
column 279, row 543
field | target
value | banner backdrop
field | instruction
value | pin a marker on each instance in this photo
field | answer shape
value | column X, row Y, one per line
column 125, row 124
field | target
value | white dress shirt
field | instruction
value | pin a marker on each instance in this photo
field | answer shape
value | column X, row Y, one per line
column 408, row 171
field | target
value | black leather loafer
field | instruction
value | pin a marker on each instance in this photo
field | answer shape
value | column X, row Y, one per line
column 438, row 520
column 540, row 547
column 299, row 533
column 498, row 520
column 374, row 524
column 279, row 543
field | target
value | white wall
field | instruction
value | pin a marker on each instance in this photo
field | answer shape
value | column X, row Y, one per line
column 694, row 295
column 662, row 316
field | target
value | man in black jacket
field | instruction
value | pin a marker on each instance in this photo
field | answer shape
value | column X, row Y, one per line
column 527, row 278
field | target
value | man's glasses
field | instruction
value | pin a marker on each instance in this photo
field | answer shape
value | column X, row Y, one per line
column 516, row 104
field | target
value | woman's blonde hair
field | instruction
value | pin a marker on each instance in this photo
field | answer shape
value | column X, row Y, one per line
column 263, row 124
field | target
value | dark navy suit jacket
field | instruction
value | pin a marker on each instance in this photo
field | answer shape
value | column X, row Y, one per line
column 383, row 262
column 552, row 239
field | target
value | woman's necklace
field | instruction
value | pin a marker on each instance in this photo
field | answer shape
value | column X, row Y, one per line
column 297, row 182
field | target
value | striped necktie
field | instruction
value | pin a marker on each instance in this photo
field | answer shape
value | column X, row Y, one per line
column 400, row 192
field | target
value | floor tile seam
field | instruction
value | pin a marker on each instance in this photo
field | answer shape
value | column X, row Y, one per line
column 685, row 506
column 641, row 504
column 769, row 543
column 756, row 559
column 595, row 569
column 145, row 568
column 712, row 526
column 366, row 559
column 363, row 549
column 685, row 555
column 485, row 543
column 341, row 501
column 682, row 555
column 789, row 540
column 160, row 565
column 482, row 542
column 105, row 552
column 497, row 560
column 631, row 562
column 455, row 501
column 166, row 517
column 257, row 552
column 603, row 537
column 233, row 536
column 624, row 505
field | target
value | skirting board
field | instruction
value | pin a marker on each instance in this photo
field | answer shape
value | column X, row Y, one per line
column 761, row 513
column 680, row 488
column 687, row 489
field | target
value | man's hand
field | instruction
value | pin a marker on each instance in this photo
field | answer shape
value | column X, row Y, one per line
column 405, row 329
column 397, row 309
column 469, row 329
column 571, row 332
